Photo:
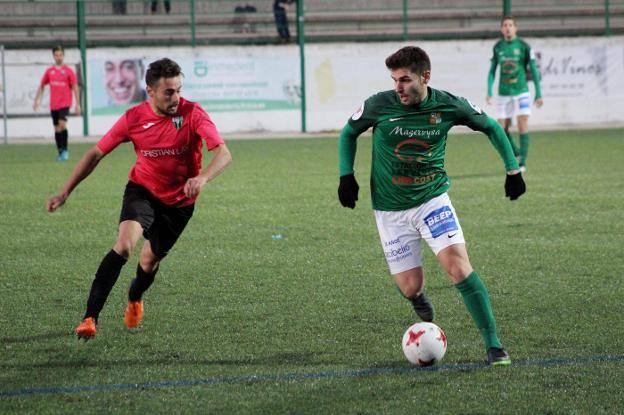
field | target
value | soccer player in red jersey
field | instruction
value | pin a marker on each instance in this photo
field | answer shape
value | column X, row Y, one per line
column 167, row 132
column 62, row 82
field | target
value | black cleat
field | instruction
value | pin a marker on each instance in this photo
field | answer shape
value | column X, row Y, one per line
column 423, row 307
column 498, row 357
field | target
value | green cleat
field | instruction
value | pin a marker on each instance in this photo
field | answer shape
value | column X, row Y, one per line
column 498, row 357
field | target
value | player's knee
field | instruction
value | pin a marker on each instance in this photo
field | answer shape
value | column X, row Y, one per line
column 458, row 271
column 124, row 248
column 149, row 263
column 410, row 287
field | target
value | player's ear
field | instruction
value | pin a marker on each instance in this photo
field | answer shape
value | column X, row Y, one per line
column 426, row 76
column 150, row 91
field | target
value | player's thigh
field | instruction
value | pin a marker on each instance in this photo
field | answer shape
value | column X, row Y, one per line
column 137, row 208
column 505, row 123
column 410, row 281
column 168, row 225
column 454, row 260
column 399, row 240
column 129, row 233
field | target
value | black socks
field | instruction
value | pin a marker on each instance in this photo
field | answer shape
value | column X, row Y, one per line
column 105, row 278
column 141, row 283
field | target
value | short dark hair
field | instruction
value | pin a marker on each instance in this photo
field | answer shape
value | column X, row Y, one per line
column 162, row 68
column 508, row 18
column 58, row 47
column 410, row 57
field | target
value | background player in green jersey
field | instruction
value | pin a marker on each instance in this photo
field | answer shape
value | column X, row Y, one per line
column 409, row 184
column 514, row 55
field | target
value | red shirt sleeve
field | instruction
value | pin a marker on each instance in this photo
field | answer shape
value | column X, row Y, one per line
column 72, row 77
column 115, row 136
column 205, row 128
column 46, row 78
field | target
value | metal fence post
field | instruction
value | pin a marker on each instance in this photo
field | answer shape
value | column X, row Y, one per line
column 82, row 44
column 301, row 39
column 405, row 20
column 4, row 97
column 607, row 17
column 506, row 8
column 193, row 38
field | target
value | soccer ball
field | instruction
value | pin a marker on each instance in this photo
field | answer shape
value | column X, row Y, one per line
column 424, row 344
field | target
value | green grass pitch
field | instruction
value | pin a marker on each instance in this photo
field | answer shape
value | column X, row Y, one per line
column 240, row 321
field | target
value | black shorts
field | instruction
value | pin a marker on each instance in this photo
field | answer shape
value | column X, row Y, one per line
column 162, row 224
column 60, row 114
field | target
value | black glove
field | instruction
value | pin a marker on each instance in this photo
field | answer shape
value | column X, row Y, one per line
column 514, row 186
column 348, row 190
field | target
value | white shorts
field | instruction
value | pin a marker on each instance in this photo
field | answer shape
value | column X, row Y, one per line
column 400, row 232
column 508, row 106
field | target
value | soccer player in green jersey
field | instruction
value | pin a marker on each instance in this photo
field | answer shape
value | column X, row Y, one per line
column 409, row 184
column 514, row 55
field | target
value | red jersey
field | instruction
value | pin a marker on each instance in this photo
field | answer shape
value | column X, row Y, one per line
column 61, row 80
column 168, row 148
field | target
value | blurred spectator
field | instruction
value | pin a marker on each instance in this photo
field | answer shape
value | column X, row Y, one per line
column 280, row 7
column 119, row 6
column 167, row 4
column 240, row 22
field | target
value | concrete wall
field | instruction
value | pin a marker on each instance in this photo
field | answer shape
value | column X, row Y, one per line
column 581, row 81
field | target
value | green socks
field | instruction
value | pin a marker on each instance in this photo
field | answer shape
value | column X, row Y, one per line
column 477, row 301
column 513, row 144
column 524, row 148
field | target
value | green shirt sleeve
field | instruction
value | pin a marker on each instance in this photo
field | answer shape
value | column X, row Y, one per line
column 536, row 78
column 347, row 146
column 492, row 74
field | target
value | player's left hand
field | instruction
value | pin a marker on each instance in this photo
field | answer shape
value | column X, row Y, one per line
column 539, row 102
column 54, row 203
column 193, row 186
column 514, row 186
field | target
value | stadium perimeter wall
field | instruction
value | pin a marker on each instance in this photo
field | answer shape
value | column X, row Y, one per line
column 251, row 89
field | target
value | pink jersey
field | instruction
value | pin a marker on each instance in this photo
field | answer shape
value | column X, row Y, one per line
column 61, row 80
column 168, row 148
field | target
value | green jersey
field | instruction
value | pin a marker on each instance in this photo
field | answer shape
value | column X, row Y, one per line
column 514, row 57
column 409, row 145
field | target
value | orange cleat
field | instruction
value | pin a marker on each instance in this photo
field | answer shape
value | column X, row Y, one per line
column 133, row 314
column 86, row 330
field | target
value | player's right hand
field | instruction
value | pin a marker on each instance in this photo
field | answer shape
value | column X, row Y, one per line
column 488, row 100
column 348, row 190
column 514, row 186
column 54, row 203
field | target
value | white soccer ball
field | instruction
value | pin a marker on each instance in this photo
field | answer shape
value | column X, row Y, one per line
column 424, row 344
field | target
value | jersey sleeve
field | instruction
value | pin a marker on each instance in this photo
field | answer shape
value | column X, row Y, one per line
column 535, row 75
column 470, row 115
column 364, row 118
column 45, row 79
column 71, row 78
column 205, row 128
column 492, row 72
column 115, row 136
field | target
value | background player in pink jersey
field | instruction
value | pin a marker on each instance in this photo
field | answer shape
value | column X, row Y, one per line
column 167, row 132
column 62, row 81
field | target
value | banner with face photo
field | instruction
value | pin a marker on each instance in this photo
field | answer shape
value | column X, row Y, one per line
column 117, row 84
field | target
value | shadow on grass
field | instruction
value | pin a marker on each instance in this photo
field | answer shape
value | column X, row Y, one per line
column 279, row 359
column 34, row 337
